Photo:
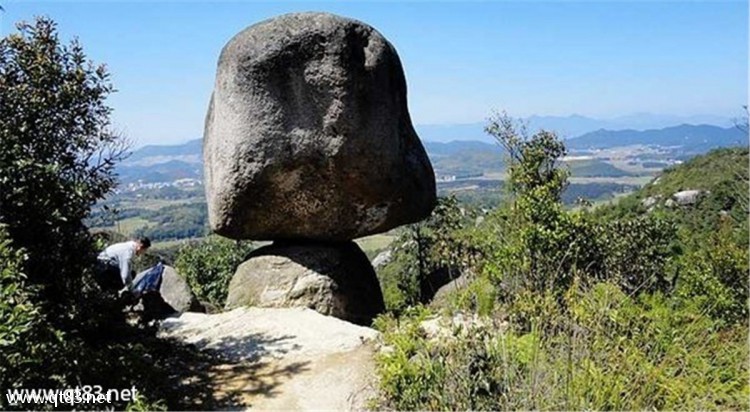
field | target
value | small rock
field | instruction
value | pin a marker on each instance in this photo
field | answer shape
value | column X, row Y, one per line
column 687, row 197
column 650, row 201
column 441, row 296
column 458, row 325
column 382, row 259
column 431, row 284
column 177, row 293
column 210, row 308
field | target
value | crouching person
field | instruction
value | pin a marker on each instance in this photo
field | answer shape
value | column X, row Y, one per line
column 114, row 263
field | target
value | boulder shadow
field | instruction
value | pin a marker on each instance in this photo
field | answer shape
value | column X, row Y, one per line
column 231, row 372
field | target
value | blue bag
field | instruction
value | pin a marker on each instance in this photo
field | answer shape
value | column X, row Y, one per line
column 147, row 281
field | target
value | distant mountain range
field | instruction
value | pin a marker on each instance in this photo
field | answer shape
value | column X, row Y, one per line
column 165, row 163
column 167, row 171
column 568, row 126
column 458, row 146
column 188, row 152
column 691, row 139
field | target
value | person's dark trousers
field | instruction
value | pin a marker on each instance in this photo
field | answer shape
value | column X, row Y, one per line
column 108, row 276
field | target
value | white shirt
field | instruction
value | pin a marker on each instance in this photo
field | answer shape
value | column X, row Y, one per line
column 121, row 253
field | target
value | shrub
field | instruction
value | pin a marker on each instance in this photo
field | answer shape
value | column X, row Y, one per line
column 56, row 159
column 715, row 277
column 407, row 375
column 542, row 244
column 479, row 296
column 637, row 253
column 20, row 322
column 653, row 353
column 209, row 264
column 439, row 243
column 57, row 154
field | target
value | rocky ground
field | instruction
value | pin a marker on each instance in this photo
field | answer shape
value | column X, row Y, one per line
column 281, row 358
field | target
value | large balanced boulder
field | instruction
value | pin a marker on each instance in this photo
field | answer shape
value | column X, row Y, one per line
column 335, row 279
column 308, row 135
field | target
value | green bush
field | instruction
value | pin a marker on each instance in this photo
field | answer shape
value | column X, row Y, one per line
column 20, row 322
column 637, row 253
column 57, row 158
column 407, row 374
column 541, row 244
column 209, row 264
column 57, row 154
column 439, row 242
column 479, row 296
column 715, row 277
column 653, row 353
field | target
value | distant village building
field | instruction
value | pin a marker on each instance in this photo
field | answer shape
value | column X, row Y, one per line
column 179, row 183
column 187, row 182
column 445, row 178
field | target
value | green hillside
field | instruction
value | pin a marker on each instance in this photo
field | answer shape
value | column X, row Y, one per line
column 595, row 168
column 706, row 172
column 721, row 176
column 468, row 162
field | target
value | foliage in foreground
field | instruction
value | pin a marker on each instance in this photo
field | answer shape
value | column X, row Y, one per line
column 57, row 153
column 608, row 352
column 20, row 316
column 57, row 157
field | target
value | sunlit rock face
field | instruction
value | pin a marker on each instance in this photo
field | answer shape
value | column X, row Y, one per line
column 308, row 135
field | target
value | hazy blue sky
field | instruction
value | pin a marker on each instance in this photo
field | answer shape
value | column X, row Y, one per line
column 462, row 59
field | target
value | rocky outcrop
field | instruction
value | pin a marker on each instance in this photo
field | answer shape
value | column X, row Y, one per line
column 308, row 135
column 283, row 358
column 459, row 325
column 382, row 259
column 438, row 278
column 334, row 279
column 687, row 197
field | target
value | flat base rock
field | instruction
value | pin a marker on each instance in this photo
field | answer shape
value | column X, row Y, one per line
column 282, row 358
column 334, row 279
